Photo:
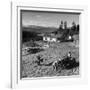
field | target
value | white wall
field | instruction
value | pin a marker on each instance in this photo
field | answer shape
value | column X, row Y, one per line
column 5, row 42
column 49, row 39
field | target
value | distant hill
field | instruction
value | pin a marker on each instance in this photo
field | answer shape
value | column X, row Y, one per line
column 39, row 29
column 32, row 32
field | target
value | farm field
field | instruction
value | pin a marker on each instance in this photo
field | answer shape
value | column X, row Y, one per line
column 50, row 54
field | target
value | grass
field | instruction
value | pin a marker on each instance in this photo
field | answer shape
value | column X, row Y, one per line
column 54, row 52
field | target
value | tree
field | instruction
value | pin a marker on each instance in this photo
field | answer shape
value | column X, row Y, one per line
column 61, row 25
column 77, row 30
column 78, row 27
column 73, row 26
column 65, row 25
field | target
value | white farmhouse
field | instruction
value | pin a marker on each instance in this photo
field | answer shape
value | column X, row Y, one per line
column 49, row 38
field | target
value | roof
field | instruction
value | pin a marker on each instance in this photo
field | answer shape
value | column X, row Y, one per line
column 52, row 35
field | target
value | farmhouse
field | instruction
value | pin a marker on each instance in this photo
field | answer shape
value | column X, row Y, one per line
column 56, row 38
column 49, row 38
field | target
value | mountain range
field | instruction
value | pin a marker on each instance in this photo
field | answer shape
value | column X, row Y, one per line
column 39, row 29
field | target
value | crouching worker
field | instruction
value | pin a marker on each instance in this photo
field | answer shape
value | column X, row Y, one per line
column 39, row 60
column 56, row 64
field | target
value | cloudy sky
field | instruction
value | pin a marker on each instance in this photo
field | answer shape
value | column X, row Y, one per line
column 48, row 19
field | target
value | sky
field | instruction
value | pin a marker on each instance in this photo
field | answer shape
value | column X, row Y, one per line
column 48, row 19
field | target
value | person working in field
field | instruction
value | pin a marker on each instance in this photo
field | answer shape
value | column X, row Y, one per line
column 68, row 62
column 69, row 54
column 69, row 57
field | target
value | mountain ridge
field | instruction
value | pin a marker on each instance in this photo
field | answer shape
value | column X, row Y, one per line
column 38, row 29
